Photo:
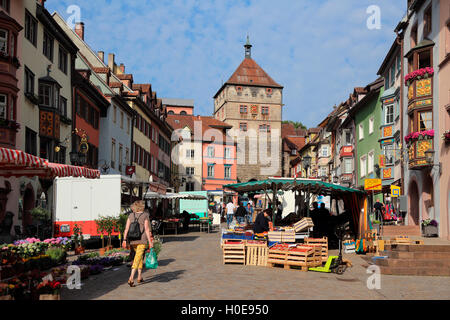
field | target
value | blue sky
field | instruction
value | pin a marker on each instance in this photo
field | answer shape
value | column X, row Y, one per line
column 318, row 50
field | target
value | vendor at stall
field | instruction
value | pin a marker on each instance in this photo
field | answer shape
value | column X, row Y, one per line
column 262, row 221
column 187, row 219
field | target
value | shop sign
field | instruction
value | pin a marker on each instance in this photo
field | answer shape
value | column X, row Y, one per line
column 130, row 170
column 395, row 191
column 373, row 184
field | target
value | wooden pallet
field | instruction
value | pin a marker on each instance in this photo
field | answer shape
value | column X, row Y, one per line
column 287, row 266
column 404, row 240
column 288, row 236
column 256, row 254
column 233, row 253
column 322, row 243
column 291, row 258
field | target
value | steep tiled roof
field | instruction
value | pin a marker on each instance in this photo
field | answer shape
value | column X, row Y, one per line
column 181, row 121
column 250, row 73
column 298, row 142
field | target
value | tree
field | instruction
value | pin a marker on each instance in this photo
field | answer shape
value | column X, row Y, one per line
column 296, row 124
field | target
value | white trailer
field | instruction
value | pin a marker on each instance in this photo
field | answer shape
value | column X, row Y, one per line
column 81, row 201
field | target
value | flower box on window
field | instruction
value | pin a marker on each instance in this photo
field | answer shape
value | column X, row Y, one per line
column 418, row 74
column 446, row 136
column 414, row 136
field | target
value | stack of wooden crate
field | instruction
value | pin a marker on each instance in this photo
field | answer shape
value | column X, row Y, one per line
column 275, row 236
column 233, row 252
column 288, row 235
column 322, row 243
column 300, row 256
column 256, row 253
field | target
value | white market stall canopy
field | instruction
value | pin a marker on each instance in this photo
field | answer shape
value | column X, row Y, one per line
column 150, row 195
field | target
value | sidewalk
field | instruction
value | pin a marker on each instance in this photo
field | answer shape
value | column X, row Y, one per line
column 191, row 268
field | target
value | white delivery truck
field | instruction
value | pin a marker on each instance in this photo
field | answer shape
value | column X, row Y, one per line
column 81, row 201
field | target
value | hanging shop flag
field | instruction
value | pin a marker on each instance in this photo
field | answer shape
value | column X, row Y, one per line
column 395, row 191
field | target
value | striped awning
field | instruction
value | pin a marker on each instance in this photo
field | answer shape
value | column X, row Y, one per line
column 16, row 163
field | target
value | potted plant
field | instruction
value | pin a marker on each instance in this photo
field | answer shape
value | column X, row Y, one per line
column 78, row 239
column 49, row 290
column 39, row 215
column 430, row 228
column 446, row 136
column 109, row 225
column 101, row 230
column 121, row 224
column 57, row 255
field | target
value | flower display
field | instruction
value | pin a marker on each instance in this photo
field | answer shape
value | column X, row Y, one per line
column 417, row 135
column 429, row 222
column 49, row 287
column 96, row 269
column 446, row 135
column 418, row 74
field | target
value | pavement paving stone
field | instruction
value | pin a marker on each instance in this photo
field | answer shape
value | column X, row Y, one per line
column 191, row 268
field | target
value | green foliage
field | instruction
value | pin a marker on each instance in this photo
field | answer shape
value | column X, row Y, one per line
column 157, row 246
column 122, row 223
column 40, row 213
column 57, row 254
column 296, row 124
column 108, row 225
column 78, row 235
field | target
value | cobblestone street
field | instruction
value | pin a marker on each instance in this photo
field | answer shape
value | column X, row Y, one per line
column 190, row 268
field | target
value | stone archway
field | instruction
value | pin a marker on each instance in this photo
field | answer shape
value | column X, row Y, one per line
column 413, row 201
column 28, row 205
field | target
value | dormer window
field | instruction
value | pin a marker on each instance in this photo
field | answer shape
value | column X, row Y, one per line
column 49, row 94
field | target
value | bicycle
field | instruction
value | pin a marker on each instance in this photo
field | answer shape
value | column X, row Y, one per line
column 156, row 226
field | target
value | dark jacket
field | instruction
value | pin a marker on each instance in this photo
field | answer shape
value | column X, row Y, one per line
column 261, row 224
column 240, row 212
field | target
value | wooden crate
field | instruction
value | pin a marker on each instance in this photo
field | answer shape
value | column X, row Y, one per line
column 233, row 253
column 275, row 236
column 292, row 258
column 401, row 240
column 256, row 254
column 317, row 254
column 322, row 243
column 303, row 224
column 288, row 236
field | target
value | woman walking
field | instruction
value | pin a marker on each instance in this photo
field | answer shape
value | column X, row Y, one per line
column 138, row 234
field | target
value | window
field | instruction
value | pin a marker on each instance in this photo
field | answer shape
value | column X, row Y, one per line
column 3, row 106
column 5, row 5
column 399, row 62
column 387, row 80
column 62, row 154
column 45, row 94
column 227, row 172
column 389, row 114
column 127, row 156
column 371, row 125
column 29, row 81
column 425, row 120
column 190, row 186
column 325, row 151
column 371, row 161
column 190, row 154
column 363, row 165
column 361, row 132
column 120, row 157
column 348, row 165
column 48, row 46
column 30, row 142
column 427, row 22
column 183, row 113
column 388, row 152
column 210, row 171
column 424, row 59
column 210, row 152
column 348, row 137
column 63, row 106
column 121, row 120
column 243, row 126
column 62, row 62
column 293, row 152
column 265, row 111
column 128, row 125
column 4, row 41
column 392, row 77
column 243, row 109
column 190, row 171
column 115, row 114
column 113, row 154
column 31, row 26
column 413, row 37
column 227, row 152
column 264, row 128
column 323, row 171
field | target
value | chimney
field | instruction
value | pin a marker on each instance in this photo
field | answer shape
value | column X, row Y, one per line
column 122, row 68
column 101, row 55
column 79, row 29
column 111, row 62
column 42, row 2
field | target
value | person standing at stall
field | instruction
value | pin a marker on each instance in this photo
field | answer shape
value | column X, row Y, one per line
column 250, row 211
column 262, row 222
column 138, row 235
column 241, row 213
column 230, row 213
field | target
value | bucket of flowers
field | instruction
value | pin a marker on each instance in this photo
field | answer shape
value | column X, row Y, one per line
column 430, row 228
column 446, row 136
column 49, row 290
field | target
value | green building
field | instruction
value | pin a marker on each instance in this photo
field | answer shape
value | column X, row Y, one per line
column 367, row 117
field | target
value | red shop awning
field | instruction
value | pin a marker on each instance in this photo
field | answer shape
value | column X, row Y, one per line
column 16, row 163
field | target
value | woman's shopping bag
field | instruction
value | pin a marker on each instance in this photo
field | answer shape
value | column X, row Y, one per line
column 151, row 261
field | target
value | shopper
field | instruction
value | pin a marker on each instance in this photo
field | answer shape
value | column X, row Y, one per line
column 378, row 206
column 230, row 213
column 314, row 214
column 186, row 220
column 262, row 221
column 250, row 211
column 139, row 245
column 241, row 213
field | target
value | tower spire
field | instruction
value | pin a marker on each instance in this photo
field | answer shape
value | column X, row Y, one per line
column 248, row 48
